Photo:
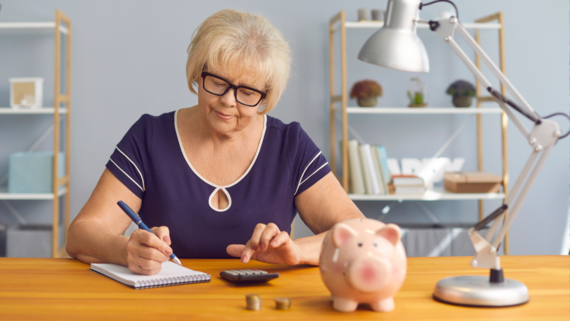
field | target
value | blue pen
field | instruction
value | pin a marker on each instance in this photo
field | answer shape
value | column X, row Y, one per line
column 140, row 223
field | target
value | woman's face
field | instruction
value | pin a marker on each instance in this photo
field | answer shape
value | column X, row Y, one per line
column 224, row 114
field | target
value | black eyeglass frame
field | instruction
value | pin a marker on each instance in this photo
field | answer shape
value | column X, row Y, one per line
column 231, row 86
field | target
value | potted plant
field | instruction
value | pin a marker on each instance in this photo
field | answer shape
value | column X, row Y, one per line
column 417, row 96
column 462, row 92
column 366, row 92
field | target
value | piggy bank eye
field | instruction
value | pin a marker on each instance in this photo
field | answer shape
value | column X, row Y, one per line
column 359, row 244
column 375, row 244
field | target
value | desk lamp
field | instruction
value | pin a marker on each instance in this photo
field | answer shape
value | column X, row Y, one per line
column 397, row 46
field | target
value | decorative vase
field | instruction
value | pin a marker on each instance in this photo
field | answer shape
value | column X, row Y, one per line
column 462, row 101
column 367, row 101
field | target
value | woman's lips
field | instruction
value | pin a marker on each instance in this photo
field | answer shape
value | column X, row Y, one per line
column 224, row 116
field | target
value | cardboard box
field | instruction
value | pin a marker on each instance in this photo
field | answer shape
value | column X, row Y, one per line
column 472, row 182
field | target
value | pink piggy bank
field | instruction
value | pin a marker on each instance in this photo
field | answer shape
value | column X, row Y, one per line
column 363, row 261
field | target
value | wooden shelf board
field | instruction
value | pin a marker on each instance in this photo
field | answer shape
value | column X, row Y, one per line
column 438, row 194
column 380, row 24
column 40, row 111
column 29, row 27
column 425, row 110
column 4, row 195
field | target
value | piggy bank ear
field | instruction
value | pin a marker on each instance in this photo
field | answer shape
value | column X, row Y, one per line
column 391, row 232
column 342, row 233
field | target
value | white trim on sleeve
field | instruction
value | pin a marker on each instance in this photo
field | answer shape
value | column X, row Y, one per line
column 142, row 179
column 301, row 181
column 306, row 179
column 126, row 174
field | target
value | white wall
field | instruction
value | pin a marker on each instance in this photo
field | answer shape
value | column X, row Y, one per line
column 129, row 56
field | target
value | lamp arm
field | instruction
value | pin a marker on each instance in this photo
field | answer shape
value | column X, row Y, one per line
column 494, row 69
column 446, row 29
column 542, row 138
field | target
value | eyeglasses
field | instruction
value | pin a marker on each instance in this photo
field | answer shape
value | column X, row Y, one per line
column 218, row 86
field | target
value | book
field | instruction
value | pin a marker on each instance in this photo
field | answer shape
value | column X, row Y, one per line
column 170, row 274
column 370, row 178
column 356, row 177
column 407, row 180
column 383, row 180
column 410, row 189
column 384, row 161
column 378, row 170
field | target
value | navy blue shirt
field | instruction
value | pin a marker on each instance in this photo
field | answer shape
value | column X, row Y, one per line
column 150, row 161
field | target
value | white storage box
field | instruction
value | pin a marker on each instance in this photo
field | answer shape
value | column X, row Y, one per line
column 26, row 93
column 31, row 240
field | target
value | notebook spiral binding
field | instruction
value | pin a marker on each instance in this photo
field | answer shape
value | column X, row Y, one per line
column 147, row 284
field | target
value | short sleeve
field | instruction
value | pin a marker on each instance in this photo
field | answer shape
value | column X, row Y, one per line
column 307, row 162
column 128, row 160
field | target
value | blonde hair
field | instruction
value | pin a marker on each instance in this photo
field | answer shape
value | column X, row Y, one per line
column 236, row 41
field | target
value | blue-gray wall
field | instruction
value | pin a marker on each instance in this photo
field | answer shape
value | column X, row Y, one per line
column 129, row 57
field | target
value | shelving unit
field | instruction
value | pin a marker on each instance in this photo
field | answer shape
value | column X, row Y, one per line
column 338, row 23
column 61, row 185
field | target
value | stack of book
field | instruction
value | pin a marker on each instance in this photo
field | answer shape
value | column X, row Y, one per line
column 408, row 184
column 369, row 172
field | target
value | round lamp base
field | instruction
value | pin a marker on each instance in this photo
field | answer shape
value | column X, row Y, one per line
column 477, row 291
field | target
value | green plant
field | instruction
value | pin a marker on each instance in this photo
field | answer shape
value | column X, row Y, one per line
column 461, row 88
column 417, row 98
column 366, row 89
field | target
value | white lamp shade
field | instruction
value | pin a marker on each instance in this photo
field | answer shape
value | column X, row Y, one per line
column 397, row 45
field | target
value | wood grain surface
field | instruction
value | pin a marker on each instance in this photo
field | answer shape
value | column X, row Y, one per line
column 65, row 289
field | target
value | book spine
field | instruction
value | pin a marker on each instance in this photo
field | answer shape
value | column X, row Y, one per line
column 408, row 181
column 372, row 187
column 383, row 180
column 378, row 170
column 356, row 177
column 384, row 161
column 410, row 189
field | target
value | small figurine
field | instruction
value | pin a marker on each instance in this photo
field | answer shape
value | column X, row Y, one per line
column 363, row 261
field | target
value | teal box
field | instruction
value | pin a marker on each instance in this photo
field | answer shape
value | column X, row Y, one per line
column 32, row 172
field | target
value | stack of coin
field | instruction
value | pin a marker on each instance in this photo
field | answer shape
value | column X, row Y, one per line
column 253, row 302
column 282, row 303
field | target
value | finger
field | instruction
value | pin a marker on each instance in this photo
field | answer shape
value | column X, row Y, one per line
column 280, row 239
column 152, row 254
column 235, row 250
column 151, row 240
column 163, row 233
column 247, row 253
column 257, row 231
column 146, row 267
column 271, row 230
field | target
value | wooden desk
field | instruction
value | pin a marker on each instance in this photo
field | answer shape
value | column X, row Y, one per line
column 65, row 289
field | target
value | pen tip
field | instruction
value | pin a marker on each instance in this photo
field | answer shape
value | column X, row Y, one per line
column 177, row 261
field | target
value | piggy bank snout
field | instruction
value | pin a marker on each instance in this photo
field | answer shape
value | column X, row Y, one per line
column 369, row 274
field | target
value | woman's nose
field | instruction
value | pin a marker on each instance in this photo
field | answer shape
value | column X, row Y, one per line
column 229, row 98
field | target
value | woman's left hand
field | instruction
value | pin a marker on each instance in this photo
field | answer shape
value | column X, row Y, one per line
column 270, row 245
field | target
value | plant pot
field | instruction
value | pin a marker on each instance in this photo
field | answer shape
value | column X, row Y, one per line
column 367, row 102
column 417, row 105
column 462, row 101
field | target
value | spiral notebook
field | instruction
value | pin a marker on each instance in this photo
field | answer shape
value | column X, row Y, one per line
column 170, row 274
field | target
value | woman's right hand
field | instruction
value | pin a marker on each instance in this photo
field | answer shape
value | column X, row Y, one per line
column 146, row 251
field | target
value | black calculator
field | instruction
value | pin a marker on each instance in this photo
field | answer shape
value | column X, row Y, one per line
column 248, row 276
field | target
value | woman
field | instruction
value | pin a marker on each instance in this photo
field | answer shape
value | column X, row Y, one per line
column 219, row 179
